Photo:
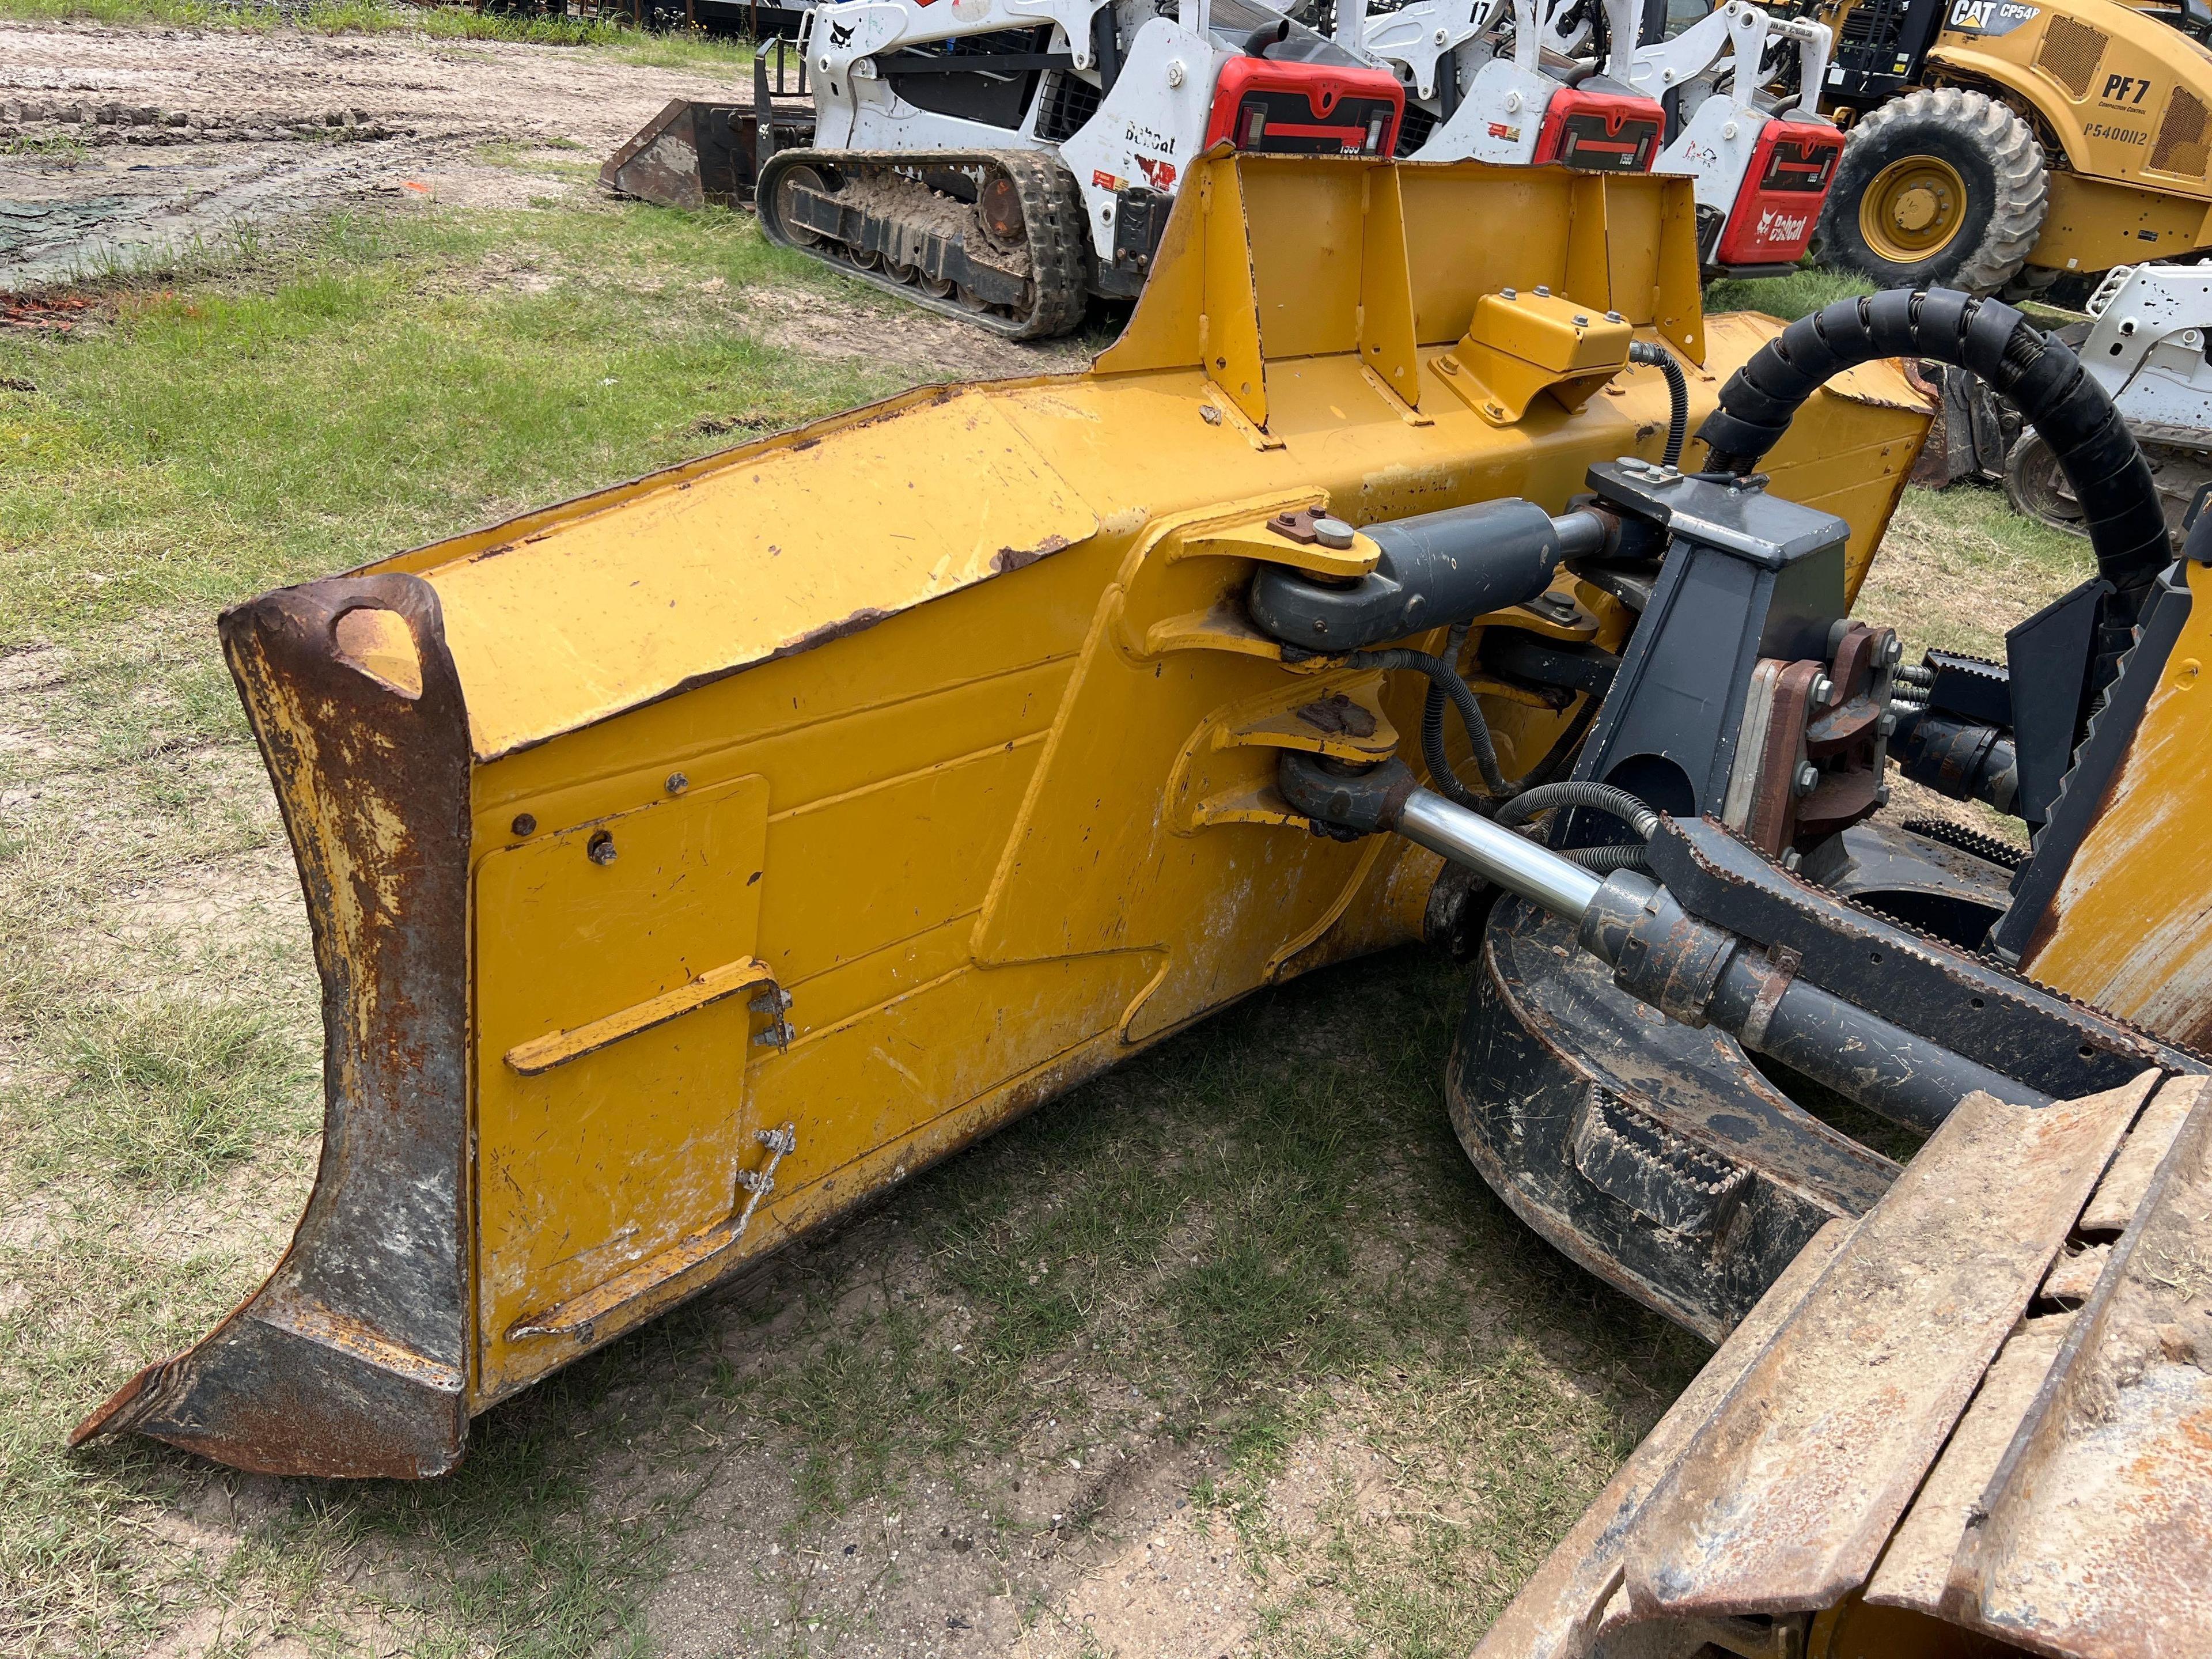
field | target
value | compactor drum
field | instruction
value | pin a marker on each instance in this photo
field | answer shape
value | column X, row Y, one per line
column 691, row 861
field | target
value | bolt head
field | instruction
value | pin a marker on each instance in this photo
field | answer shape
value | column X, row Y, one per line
column 1808, row 776
column 1175, row 71
column 1543, row 291
column 600, row 849
column 1615, row 317
column 1822, row 689
column 1332, row 532
column 677, row 783
column 526, row 824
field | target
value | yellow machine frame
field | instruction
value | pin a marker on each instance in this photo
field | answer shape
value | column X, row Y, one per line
column 693, row 859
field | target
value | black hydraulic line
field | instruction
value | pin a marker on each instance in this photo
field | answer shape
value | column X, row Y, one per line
column 2112, row 481
column 1444, row 678
column 1631, row 810
column 1446, row 781
column 1678, row 394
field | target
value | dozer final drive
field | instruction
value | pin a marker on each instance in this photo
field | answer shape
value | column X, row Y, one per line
column 691, row 861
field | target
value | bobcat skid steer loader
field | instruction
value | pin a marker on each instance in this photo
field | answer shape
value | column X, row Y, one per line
column 692, row 860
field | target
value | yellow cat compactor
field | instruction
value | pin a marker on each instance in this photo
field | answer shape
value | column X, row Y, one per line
column 693, row 861
column 2005, row 144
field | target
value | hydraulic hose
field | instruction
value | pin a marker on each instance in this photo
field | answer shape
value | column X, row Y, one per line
column 1678, row 394
column 1630, row 809
column 1432, row 729
column 1443, row 677
column 2109, row 478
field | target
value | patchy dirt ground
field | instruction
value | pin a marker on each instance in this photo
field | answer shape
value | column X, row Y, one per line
column 127, row 141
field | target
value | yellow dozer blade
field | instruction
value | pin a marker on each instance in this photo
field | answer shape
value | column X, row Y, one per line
column 691, row 861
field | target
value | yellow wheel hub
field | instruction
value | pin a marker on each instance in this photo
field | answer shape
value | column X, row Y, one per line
column 1912, row 209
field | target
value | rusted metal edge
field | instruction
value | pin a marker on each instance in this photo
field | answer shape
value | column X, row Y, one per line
column 1785, row 1499
column 352, row 1360
column 2093, row 1537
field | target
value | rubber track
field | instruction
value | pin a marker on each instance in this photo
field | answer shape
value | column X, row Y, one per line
column 1058, row 231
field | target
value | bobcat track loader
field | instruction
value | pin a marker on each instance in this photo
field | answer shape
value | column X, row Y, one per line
column 692, row 860
column 1724, row 102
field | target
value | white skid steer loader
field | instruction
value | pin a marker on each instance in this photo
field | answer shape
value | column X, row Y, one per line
column 1002, row 160
column 1727, row 102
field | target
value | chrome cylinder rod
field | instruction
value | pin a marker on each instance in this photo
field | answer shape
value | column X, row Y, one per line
column 1514, row 862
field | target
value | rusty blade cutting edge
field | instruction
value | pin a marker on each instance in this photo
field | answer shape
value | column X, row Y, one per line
column 1786, row 1499
column 2094, row 1535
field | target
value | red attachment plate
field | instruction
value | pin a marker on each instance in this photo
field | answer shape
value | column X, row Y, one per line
column 1600, row 132
column 1305, row 109
column 1783, row 189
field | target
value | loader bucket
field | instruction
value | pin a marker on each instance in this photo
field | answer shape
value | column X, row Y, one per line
column 695, row 859
column 690, row 155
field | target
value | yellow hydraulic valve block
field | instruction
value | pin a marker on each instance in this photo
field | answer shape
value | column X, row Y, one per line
column 692, row 860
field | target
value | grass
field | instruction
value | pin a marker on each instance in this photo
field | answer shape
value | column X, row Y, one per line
column 251, row 417
column 1802, row 292
column 1253, row 1263
column 391, row 383
column 670, row 50
column 168, row 1092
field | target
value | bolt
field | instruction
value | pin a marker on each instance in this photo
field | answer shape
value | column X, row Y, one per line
column 1891, row 651
column 1581, row 321
column 1885, row 724
column 600, row 849
column 1615, row 317
column 1792, row 859
column 1508, row 294
column 1823, row 688
column 1808, row 776
column 1542, row 292
column 677, row 783
column 1332, row 532
column 524, row 824
column 1175, row 71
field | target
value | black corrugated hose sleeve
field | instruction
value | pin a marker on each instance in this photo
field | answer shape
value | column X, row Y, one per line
column 1678, row 394
column 2109, row 478
column 1444, row 678
column 1446, row 782
column 1631, row 810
